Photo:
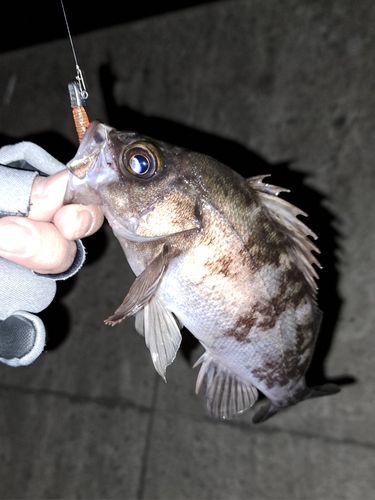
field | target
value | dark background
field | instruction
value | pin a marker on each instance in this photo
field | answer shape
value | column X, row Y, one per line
column 38, row 21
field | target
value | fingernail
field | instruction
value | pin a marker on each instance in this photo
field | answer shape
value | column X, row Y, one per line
column 14, row 238
column 85, row 220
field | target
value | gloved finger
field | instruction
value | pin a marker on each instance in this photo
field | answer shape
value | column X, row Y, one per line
column 36, row 245
column 77, row 221
column 22, row 338
column 47, row 196
column 32, row 155
column 46, row 204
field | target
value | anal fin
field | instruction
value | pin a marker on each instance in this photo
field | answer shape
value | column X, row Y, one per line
column 226, row 394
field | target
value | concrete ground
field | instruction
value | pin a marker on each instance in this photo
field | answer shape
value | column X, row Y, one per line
column 281, row 87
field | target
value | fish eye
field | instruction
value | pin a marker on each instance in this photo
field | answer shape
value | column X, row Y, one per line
column 140, row 164
column 142, row 159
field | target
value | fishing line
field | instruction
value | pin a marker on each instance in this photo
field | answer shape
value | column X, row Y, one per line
column 70, row 36
column 77, row 91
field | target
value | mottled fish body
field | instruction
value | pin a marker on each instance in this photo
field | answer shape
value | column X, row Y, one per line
column 223, row 256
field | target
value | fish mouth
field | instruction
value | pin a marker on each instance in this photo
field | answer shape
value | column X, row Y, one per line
column 93, row 142
column 92, row 165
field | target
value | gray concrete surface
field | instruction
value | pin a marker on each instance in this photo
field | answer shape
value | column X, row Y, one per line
column 290, row 81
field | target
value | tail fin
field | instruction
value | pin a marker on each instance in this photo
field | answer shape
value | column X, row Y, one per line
column 266, row 411
column 269, row 410
column 322, row 390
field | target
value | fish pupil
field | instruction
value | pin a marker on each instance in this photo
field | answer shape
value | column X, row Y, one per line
column 139, row 164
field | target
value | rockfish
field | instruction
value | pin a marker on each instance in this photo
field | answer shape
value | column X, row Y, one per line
column 221, row 255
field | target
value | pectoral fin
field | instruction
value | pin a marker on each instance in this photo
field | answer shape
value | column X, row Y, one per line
column 226, row 394
column 143, row 287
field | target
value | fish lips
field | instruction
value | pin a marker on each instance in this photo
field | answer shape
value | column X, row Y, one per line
column 92, row 166
column 94, row 140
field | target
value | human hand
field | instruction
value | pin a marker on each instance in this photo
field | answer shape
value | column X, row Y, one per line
column 44, row 240
column 36, row 234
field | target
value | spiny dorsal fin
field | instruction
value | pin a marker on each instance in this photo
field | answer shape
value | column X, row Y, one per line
column 226, row 394
column 286, row 215
column 256, row 182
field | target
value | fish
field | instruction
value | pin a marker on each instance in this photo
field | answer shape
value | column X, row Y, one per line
column 222, row 255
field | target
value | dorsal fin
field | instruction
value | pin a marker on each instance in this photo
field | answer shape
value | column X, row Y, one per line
column 286, row 215
column 226, row 394
column 256, row 182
